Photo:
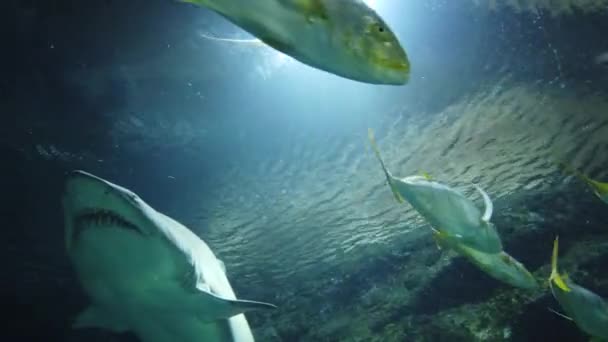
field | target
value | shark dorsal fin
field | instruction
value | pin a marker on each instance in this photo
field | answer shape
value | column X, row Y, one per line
column 489, row 207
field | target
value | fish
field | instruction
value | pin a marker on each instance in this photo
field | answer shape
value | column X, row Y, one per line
column 346, row 38
column 588, row 310
column 500, row 266
column 446, row 209
column 145, row 272
column 600, row 189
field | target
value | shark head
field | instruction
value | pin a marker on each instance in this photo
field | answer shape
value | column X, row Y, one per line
column 144, row 271
column 94, row 204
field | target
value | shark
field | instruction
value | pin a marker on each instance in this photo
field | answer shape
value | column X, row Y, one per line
column 346, row 38
column 144, row 272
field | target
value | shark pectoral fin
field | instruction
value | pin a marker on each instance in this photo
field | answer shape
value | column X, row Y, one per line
column 94, row 317
column 489, row 207
column 215, row 307
column 222, row 265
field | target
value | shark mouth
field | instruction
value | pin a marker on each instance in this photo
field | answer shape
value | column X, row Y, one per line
column 102, row 219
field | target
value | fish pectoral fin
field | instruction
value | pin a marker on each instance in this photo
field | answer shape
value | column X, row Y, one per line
column 441, row 239
column 561, row 314
column 254, row 41
column 94, row 317
column 213, row 307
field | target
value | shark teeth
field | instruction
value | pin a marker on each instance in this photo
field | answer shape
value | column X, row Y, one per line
column 101, row 219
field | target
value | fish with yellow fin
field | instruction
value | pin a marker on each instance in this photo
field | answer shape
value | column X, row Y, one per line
column 588, row 310
column 446, row 209
column 600, row 189
column 343, row 37
column 500, row 266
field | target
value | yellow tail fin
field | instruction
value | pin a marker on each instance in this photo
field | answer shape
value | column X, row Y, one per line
column 372, row 141
column 555, row 276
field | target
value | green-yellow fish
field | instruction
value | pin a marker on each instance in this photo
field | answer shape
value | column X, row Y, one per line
column 500, row 266
column 588, row 310
column 446, row 209
column 600, row 189
column 343, row 37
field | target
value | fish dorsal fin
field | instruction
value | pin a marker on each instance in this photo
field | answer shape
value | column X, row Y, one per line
column 555, row 277
column 94, row 317
column 389, row 177
column 489, row 207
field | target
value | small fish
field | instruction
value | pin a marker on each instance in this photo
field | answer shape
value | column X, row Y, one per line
column 446, row 209
column 588, row 310
column 600, row 189
column 343, row 37
column 500, row 266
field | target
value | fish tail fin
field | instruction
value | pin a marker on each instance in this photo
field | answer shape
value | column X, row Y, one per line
column 372, row 141
column 555, row 277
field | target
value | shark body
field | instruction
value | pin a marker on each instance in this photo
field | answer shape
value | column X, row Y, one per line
column 145, row 272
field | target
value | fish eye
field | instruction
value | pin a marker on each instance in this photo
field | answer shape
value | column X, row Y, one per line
column 380, row 29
